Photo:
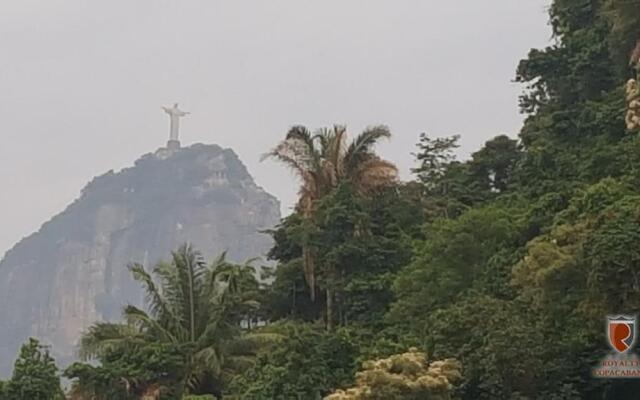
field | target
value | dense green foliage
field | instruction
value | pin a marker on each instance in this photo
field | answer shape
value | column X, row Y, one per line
column 523, row 249
column 190, row 341
column 35, row 375
column 326, row 164
column 502, row 266
column 124, row 374
column 308, row 364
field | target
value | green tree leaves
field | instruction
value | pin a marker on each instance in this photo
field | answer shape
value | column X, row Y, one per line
column 454, row 256
column 126, row 373
column 307, row 364
column 186, row 340
column 35, row 375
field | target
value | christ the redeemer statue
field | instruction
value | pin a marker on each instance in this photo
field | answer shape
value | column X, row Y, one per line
column 174, row 113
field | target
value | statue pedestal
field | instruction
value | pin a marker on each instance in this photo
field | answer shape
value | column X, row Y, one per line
column 173, row 144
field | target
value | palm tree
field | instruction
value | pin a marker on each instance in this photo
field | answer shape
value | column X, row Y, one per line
column 193, row 305
column 322, row 161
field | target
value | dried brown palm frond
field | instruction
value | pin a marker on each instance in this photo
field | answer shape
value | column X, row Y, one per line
column 374, row 174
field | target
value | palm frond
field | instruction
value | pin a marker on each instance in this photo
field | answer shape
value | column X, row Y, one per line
column 190, row 268
column 323, row 137
column 208, row 359
column 297, row 150
column 137, row 317
column 293, row 154
column 373, row 174
column 361, row 146
column 169, row 281
column 299, row 132
column 212, row 277
column 337, row 150
column 155, row 301
column 220, row 260
column 236, row 277
column 205, row 363
column 103, row 337
column 212, row 332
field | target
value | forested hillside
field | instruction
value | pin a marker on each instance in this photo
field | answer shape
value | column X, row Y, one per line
column 487, row 278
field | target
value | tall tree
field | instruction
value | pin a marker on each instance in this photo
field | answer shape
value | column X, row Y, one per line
column 322, row 161
column 192, row 305
column 493, row 165
column 433, row 157
column 35, row 375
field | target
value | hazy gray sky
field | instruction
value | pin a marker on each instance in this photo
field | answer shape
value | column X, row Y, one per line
column 82, row 82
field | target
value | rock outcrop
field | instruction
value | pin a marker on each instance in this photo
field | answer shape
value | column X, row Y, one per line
column 73, row 271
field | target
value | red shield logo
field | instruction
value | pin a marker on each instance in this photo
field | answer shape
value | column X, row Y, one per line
column 622, row 332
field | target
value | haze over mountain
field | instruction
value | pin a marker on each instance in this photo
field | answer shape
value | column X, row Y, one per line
column 73, row 271
column 82, row 82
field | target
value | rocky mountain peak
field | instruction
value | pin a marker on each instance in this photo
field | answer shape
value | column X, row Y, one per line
column 73, row 271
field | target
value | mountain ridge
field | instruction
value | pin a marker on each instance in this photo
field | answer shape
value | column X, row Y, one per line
column 72, row 271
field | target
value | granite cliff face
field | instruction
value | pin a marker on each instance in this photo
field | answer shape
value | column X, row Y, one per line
column 73, row 271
